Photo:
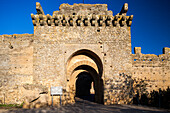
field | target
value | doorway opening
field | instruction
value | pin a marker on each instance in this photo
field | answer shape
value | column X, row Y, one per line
column 85, row 86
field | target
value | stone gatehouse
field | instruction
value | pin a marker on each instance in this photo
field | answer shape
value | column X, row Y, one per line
column 84, row 49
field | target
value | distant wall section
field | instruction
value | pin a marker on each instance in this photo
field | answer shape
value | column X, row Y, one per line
column 152, row 69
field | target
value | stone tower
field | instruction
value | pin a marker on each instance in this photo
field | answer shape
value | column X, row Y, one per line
column 82, row 38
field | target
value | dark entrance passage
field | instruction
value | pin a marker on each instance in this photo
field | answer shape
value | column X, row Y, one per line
column 84, row 86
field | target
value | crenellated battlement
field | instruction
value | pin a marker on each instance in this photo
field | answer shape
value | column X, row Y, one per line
column 152, row 69
column 137, row 50
column 72, row 15
column 150, row 60
column 16, row 35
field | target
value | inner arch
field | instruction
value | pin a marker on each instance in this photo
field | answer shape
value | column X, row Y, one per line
column 84, row 72
column 84, row 54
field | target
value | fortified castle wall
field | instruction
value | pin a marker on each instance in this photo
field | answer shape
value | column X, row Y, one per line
column 79, row 38
column 153, row 69
column 16, row 66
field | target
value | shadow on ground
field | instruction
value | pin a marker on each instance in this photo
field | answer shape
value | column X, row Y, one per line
column 83, row 106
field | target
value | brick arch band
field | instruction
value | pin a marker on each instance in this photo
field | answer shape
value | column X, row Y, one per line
column 83, row 62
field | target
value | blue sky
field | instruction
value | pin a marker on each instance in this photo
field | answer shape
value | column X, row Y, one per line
column 150, row 28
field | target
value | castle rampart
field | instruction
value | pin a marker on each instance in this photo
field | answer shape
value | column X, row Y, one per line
column 78, row 42
column 153, row 69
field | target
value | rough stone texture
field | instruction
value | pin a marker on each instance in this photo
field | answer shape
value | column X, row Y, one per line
column 83, row 9
column 153, row 69
column 16, row 66
column 78, row 38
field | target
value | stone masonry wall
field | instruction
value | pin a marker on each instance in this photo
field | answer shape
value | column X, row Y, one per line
column 152, row 69
column 31, row 63
column 16, row 66
column 41, row 58
column 52, row 49
column 58, row 36
column 116, row 63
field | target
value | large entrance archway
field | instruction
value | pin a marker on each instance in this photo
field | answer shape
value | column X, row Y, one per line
column 84, row 73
